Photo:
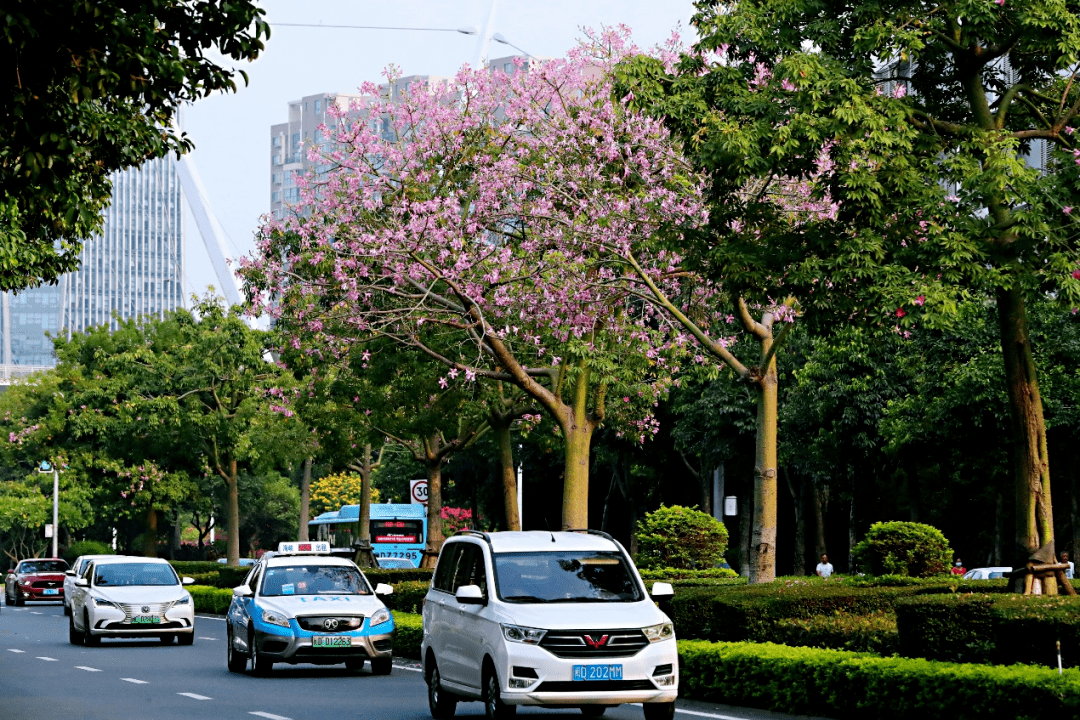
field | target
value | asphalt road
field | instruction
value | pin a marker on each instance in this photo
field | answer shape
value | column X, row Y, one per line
column 43, row 677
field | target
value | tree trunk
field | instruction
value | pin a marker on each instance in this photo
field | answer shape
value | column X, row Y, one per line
column 305, row 501
column 177, row 537
column 365, row 556
column 150, row 538
column 745, row 521
column 505, row 446
column 763, row 542
column 798, row 500
column 433, row 466
column 1031, row 464
column 999, row 530
column 911, row 469
column 232, row 483
column 575, row 507
column 821, row 506
column 851, row 533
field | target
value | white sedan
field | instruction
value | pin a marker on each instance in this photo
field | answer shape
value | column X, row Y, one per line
column 986, row 573
column 76, row 570
column 122, row 596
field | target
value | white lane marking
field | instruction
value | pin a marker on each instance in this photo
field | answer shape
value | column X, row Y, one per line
column 87, row 669
column 47, row 659
column 410, row 669
column 206, row 638
column 195, row 696
column 210, row 617
column 704, row 714
column 269, row 716
column 133, row 680
column 14, row 650
column 35, row 612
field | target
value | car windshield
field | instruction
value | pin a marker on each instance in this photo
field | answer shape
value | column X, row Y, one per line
column 134, row 574
column 43, row 566
column 313, row 580
column 557, row 577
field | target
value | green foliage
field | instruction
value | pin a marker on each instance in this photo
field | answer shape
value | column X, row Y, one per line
column 875, row 633
column 408, row 596
column 833, row 683
column 408, row 634
column 945, row 627
column 333, row 491
column 211, row 600
column 681, row 538
column 87, row 547
column 1027, row 629
column 94, row 89
column 904, row 548
column 211, row 574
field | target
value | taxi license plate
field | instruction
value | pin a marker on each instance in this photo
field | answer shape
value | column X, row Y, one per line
column 145, row 620
column 597, row 672
column 52, row 591
column 331, row 641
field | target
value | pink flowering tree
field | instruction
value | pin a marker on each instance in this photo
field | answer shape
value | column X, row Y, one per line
column 473, row 222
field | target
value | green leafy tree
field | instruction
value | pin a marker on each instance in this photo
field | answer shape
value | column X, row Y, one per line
column 904, row 548
column 93, row 88
column 333, row 491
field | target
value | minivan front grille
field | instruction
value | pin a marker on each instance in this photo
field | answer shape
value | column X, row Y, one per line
column 594, row 643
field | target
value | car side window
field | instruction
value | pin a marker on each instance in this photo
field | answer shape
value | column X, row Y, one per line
column 253, row 579
column 470, row 568
column 444, row 571
column 88, row 571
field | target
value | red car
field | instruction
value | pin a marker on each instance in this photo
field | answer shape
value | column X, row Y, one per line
column 37, row 579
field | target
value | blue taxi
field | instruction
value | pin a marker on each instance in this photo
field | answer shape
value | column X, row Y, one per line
column 302, row 605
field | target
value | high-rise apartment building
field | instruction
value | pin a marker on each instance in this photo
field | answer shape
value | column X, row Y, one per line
column 133, row 268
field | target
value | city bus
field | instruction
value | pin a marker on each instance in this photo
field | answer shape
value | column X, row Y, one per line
column 398, row 531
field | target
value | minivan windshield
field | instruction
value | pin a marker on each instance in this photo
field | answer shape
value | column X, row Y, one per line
column 565, row 576
column 134, row 574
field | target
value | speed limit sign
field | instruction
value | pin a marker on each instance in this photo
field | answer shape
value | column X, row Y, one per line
column 418, row 491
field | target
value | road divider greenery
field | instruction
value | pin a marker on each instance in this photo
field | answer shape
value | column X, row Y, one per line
column 210, row 600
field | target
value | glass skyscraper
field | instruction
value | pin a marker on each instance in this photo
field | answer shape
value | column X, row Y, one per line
column 133, row 268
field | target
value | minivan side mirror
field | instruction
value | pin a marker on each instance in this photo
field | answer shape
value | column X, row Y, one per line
column 469, row 595
column 241, row 591
column 662, row 590
column 384, row 589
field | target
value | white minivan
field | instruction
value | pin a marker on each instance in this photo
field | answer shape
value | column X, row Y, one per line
column 558, row 619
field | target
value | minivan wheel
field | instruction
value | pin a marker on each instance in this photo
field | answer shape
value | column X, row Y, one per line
column 442, row 704
column 494, row 707
column 659, row 711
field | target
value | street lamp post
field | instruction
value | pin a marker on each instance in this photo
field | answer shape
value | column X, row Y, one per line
column 46, row 467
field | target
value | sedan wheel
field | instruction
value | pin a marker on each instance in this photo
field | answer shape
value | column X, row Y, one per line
column 89, row 639
column 167, row 638
column 259, row 664
column 234, row 660
column 74, row 636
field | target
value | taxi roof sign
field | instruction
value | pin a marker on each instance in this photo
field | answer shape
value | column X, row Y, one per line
column 303, row 548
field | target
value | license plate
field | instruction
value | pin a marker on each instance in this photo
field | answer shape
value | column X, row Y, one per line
column 331, row 641
column 52, row 591
column 145, row 620
column 597, row 672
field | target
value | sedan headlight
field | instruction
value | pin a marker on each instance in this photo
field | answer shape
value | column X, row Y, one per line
column 527, row 635
column 656, row 633
column 379, row 617
column 102, row 602
column 186, row 600
column 275, row 619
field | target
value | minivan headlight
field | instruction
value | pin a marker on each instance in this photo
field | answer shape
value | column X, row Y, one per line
column 527, row 635
column 656, row 633
column 275, row 619
column 379, row 617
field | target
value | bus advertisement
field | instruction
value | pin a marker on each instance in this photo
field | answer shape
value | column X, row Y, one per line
column 398, row 531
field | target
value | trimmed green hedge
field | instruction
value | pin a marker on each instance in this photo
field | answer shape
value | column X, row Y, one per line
column 408, row 633
column 212, row 574
column 957, row 628
column 212, row 600
column 874, row 633
column 408, row 596
column 1027, row 628
column 840, row 684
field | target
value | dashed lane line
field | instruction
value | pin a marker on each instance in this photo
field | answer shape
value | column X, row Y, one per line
column 269, row 716
column 195, row 696
column 210, row 617
column 87, row 669
column 15, row 651
column 133, row 680
column 46, row 659
column 35, row 612
column 206, row 638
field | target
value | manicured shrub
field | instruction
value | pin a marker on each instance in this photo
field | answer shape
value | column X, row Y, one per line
column 408, row 596
column 874, row 633
column 681, row 538
column 838, row 684
column 1027, row 629
column 408, row 633
column 211, row 573
column 210, row 600
column 904, row 548
column 957, row 628
column 392, row 577
column 87, row 547
column 674, row 574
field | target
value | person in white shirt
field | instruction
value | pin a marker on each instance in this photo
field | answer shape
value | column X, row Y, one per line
column 824, row 568
column 1065, row 559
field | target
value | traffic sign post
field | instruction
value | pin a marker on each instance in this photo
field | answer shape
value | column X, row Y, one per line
column 51, row 530
column 418, row 491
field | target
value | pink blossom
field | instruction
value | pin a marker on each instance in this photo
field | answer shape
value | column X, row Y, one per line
column 920, row 300
column 900, row 312
column 1067, row 210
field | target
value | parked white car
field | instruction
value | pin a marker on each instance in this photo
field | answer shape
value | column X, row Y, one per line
column 986, row 573
column 552, row 619
column 119, row 596
column 76, row 570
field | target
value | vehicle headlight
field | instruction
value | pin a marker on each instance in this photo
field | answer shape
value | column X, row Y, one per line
column 275, row 619
column 379, row 617
column 102, row 602
column 656, row 633
column 527, row 635
column 186, row 600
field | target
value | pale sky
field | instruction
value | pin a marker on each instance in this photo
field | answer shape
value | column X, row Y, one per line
column 232, row 132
